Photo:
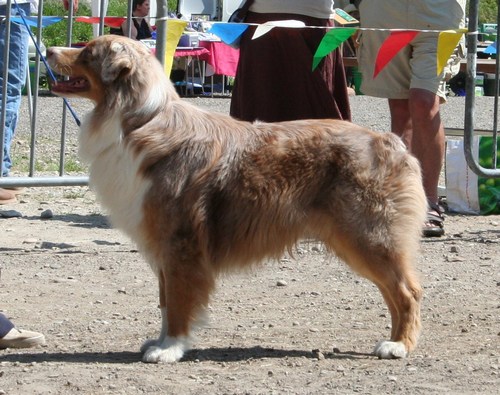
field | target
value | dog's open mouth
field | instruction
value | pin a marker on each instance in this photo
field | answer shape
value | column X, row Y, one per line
column 64, row 84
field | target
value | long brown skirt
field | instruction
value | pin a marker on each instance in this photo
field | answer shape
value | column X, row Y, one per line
column 275, row 82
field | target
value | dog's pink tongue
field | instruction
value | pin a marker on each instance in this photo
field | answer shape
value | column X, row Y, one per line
column 69, row 86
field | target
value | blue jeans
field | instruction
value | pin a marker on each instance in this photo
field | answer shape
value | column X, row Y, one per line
column 5, row 325
column 18, row 62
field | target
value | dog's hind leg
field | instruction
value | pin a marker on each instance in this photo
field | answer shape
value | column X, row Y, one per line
column 402, row 293
column 393, row 274
column 184, row 293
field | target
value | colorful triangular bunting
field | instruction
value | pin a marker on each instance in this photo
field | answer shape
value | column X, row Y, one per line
column 229, row 33
column 330, row 42
column 396, row 41
column 33, row 20
column 447, row 42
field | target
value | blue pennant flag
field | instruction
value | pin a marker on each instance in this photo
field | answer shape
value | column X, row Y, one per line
column 33, row 20
column 228, row 32
column 491, row 49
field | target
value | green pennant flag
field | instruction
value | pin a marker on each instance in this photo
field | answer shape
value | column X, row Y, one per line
column 330, row 42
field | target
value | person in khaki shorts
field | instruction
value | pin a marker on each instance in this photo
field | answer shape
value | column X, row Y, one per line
column 410, row 82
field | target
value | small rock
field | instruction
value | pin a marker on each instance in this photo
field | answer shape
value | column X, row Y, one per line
column 46, row 214
column 30, row 241
column 281, row 283
column 450, row 258
column 392, row 378
column 336, row 350
column 10, row 214
column 454, row 249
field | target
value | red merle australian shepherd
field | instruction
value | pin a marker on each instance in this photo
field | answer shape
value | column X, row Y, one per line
column 202, row 193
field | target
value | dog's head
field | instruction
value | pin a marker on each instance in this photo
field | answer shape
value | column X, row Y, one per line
column 109, row 69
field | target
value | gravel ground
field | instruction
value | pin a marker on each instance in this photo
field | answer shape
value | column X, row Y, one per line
column 301, row 325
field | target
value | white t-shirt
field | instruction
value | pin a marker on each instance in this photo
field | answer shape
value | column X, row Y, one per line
column 323, row 9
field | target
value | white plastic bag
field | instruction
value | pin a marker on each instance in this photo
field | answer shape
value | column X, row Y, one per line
column 466, row 192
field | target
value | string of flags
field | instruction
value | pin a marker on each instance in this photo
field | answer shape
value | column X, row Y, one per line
column 230, row 33
column 334, row 37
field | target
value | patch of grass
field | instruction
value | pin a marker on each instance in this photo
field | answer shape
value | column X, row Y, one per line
column 46, row 164
column 73, row 165
column 56, row 34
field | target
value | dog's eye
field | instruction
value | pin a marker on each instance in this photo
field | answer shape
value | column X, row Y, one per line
column 85, row 56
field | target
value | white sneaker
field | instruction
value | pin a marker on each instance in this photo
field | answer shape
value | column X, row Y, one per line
column 17, row 338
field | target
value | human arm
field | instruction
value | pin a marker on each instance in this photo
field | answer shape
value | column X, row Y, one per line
column 75, row 5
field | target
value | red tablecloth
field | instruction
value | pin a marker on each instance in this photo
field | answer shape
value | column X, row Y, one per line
column 221, row 57
column 191, row 51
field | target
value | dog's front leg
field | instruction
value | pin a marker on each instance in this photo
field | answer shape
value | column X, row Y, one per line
column 184, row 294
column 165, row 348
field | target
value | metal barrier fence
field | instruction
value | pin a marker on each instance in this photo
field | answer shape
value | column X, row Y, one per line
column 469, row 133
column 34, row 179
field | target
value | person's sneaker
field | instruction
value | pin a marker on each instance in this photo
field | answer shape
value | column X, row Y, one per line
column 17, row 338
column 7, row 197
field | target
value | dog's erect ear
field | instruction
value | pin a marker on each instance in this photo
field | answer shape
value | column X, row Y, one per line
column 117, row 59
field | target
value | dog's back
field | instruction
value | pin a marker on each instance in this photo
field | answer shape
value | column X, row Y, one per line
column 252, row 191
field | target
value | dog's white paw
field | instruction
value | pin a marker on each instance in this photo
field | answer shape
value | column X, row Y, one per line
column 167, row 351
column 149, row 343
column 386, row 349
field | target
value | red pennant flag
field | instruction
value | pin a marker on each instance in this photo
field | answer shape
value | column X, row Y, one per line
column 396, row 41
column 111, row 21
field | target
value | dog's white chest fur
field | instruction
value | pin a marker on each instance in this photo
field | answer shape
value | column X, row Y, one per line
column 114, row 175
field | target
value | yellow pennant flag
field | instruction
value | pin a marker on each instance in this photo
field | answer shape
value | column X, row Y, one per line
column 447, row 42
column 175, row 28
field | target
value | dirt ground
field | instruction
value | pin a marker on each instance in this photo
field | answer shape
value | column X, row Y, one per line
column 302, row 325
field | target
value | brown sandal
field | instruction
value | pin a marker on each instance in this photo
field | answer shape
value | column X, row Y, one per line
column 434, row 226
